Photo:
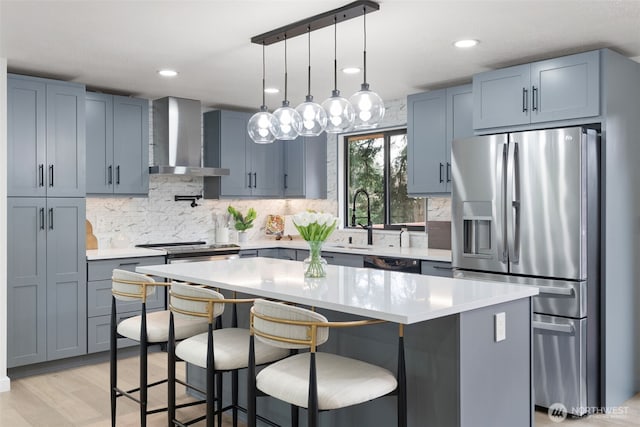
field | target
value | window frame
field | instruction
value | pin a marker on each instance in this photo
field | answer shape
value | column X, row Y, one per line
column 386, row 134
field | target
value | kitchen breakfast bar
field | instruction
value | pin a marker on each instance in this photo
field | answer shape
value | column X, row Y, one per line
column 467, row 342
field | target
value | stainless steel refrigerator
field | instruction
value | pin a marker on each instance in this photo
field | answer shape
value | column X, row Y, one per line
column 525, row 210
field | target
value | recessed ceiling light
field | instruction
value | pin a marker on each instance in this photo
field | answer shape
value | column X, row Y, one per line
column 351, row 70
column 168, row 73
column 271, row 90
column 466, row 43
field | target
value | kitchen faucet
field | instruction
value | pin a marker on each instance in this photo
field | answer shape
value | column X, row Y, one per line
column 369, row 226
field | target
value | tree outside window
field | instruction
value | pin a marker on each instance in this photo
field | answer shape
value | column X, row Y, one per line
column 377, row 163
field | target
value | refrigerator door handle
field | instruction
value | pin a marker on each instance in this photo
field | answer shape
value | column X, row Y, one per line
column 553, row 327
column 500, row 215
column 513, row 203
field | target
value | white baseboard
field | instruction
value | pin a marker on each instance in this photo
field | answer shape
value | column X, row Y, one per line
column 5, row 384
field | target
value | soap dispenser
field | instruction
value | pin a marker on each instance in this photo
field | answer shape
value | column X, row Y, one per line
column 405, row 241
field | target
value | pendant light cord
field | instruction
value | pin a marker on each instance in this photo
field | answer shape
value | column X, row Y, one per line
column 309, row 68
column 285, row 69
column 364, row 15
column 335, row 53
column 263, row 78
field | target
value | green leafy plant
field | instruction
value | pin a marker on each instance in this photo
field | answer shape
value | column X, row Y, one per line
column 243, row 222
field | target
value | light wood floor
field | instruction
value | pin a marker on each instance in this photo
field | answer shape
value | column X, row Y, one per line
column 80, row 397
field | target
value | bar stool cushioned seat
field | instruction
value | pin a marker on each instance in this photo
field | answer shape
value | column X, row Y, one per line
column 342, row 381
column 231, row 350
column 158, row 327
column 313, row 380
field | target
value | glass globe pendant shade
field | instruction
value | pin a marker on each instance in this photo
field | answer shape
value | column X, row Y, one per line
column 369, row 108
column 314, row 118
column 340, row 113
column 261, row 126
column 288, row 122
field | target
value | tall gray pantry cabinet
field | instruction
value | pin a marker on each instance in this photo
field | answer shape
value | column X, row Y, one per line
column 46, row 281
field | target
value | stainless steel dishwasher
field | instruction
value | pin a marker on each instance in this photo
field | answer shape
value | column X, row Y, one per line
column 404, row 265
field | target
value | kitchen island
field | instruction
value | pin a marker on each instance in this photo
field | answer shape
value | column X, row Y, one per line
column 458, row 373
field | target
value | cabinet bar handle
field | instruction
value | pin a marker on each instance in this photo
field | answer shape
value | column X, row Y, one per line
column 525, row 92
column 255, row 180
column 285, row 180
column 249, row 179
column 41, row 218
column 441, row 179
column 110, row 177
column 448, row 172
column 122, row 264
column 438, row 267
column 50, row 218
column 50, row 175
column 118, row 175
column 534, row 100
column 41, row 175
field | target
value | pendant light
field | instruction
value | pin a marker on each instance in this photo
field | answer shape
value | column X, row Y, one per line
column 288, row 120
column 262, row 123
column 314, row 118
column 339, row 111
column 369, row 108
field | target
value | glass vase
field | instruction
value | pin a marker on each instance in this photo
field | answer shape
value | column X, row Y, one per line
column 315, row 265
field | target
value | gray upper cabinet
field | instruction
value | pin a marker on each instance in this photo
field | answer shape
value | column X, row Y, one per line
column 305, row 167
column 501, row 97
column 266, row 166
column 117, row 144
column 426, row 133
column 46, row 144
column 255, row 169
column 46, row 279
column 566, row 87
column 556, row 89
column 434, row 120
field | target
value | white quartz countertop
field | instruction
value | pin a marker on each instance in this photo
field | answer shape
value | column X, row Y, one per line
column 111, row 253
column 391, row 251
column 387, row 295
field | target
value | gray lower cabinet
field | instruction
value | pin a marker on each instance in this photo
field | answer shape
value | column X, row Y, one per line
column 556, row 89
column 46, row 292
column 334, row 258
column 46, row 137
column 279, row 253
column 255, row 169
column 436, row 268
column 305, row 167
column 434, row 120
column 98, row 302
column 117, row 144
column 250, row 253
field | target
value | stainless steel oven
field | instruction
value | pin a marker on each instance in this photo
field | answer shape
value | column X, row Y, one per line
column 181, row 252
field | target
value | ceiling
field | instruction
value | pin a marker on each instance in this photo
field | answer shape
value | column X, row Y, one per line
column 117, row 46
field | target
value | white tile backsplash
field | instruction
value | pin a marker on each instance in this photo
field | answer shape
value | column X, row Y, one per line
column 158, row 218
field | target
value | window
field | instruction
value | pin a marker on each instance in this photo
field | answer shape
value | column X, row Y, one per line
column 377, row 164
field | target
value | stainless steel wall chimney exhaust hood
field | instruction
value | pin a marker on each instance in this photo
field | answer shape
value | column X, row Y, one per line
column 177, row 139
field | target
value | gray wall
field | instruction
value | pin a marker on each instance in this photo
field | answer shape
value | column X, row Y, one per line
column 4, row 380
column 621, row 210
